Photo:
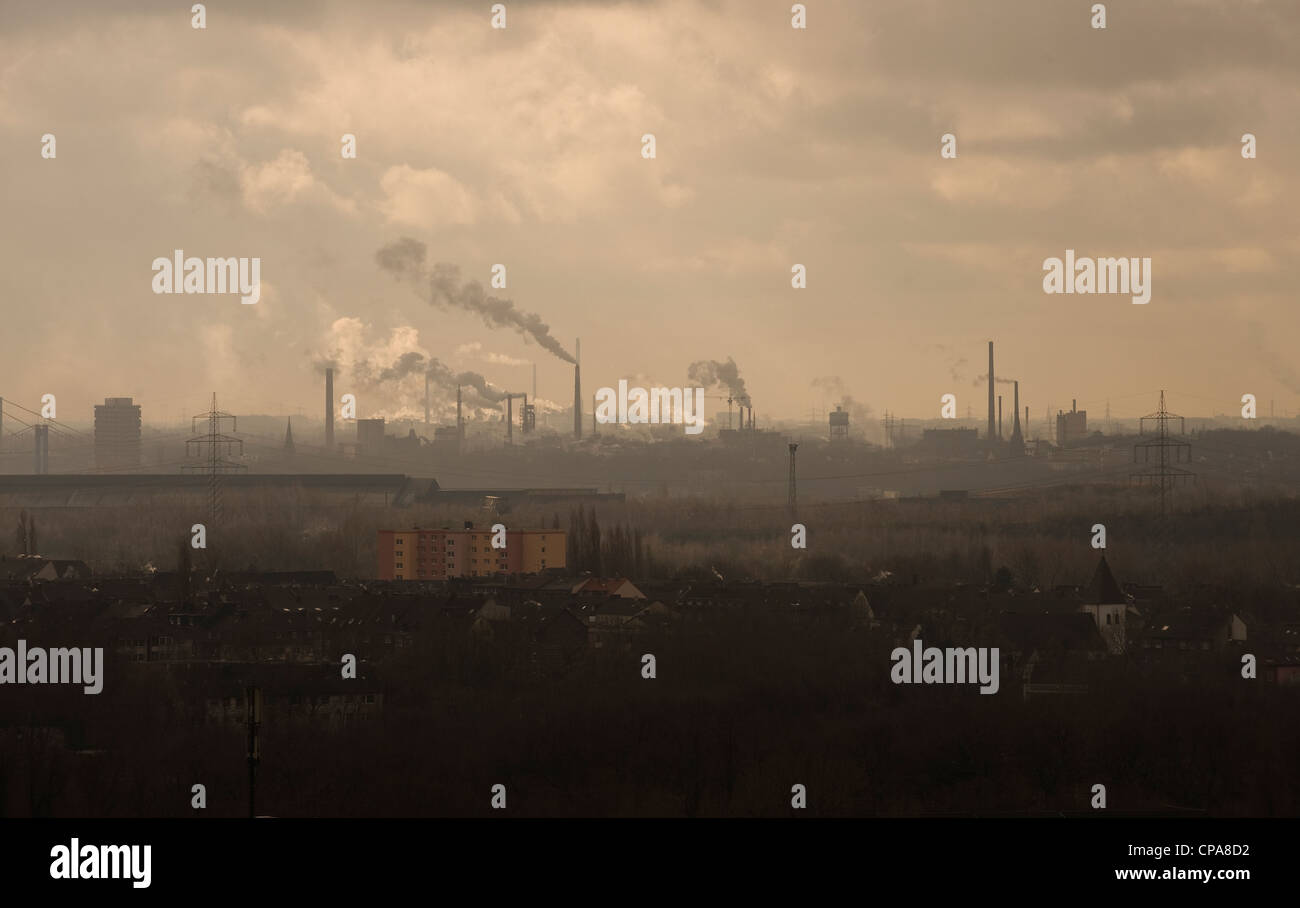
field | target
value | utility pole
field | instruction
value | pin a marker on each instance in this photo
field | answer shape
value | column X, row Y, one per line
column 209, row 447
column 253, row 706
column 1169, row 450
column 794, row 500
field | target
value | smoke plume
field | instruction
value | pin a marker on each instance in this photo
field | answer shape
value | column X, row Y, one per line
column 442, row 287
column 859, row 413
column 710, row 373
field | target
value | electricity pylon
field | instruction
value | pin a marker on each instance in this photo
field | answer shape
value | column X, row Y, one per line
column 209, row 447
column 1169, row 450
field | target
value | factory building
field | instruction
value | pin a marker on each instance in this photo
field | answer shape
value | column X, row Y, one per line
column 1072, row 426
column 440, row 554
column 370, row 436
column 958, row 442
column 117, row 434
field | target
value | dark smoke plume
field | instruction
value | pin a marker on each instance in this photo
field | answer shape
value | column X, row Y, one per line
column 406, row 364
column 442, row 287
column 440, row 376
column 834, row 386
column 710, row 372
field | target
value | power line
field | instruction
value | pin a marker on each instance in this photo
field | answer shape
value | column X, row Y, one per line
column 1164, row 476
column 215, row 465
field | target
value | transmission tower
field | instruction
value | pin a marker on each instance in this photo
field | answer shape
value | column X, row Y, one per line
column 209, row 447
column 889, row 422
column 1169, row 449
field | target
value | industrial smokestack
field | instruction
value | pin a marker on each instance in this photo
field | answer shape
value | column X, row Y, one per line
column 1074, row 404
column 534, row 383
column 990, row 434
column 426, row 401
column 41, row 450
column 1015, row 429
column 510, row 419
column 577, row 389
column 329, row 409
column 999, row 417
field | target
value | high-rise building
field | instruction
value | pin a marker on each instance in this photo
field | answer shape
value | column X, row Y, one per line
column 438, row 554
column 117, row 434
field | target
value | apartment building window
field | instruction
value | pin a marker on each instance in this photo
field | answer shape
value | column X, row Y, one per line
column 399, row 540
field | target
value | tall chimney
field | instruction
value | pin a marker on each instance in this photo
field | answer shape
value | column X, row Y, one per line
column 990, row 433
column 329, row 409
column 534, row 384
column 1017, row 440
column 999, row 417
column 1074, row 404
column 577, row 389
column 1015, row 429
column 510, row 419
column 41, row 450
column 460, row 426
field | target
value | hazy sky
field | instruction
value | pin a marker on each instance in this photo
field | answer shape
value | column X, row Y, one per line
column 775, row 146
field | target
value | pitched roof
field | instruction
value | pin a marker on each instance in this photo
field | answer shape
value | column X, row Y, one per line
column 1103, row 590
column 1029, row 632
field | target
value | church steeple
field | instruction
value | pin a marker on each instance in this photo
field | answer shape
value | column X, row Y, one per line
column 288, row 435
